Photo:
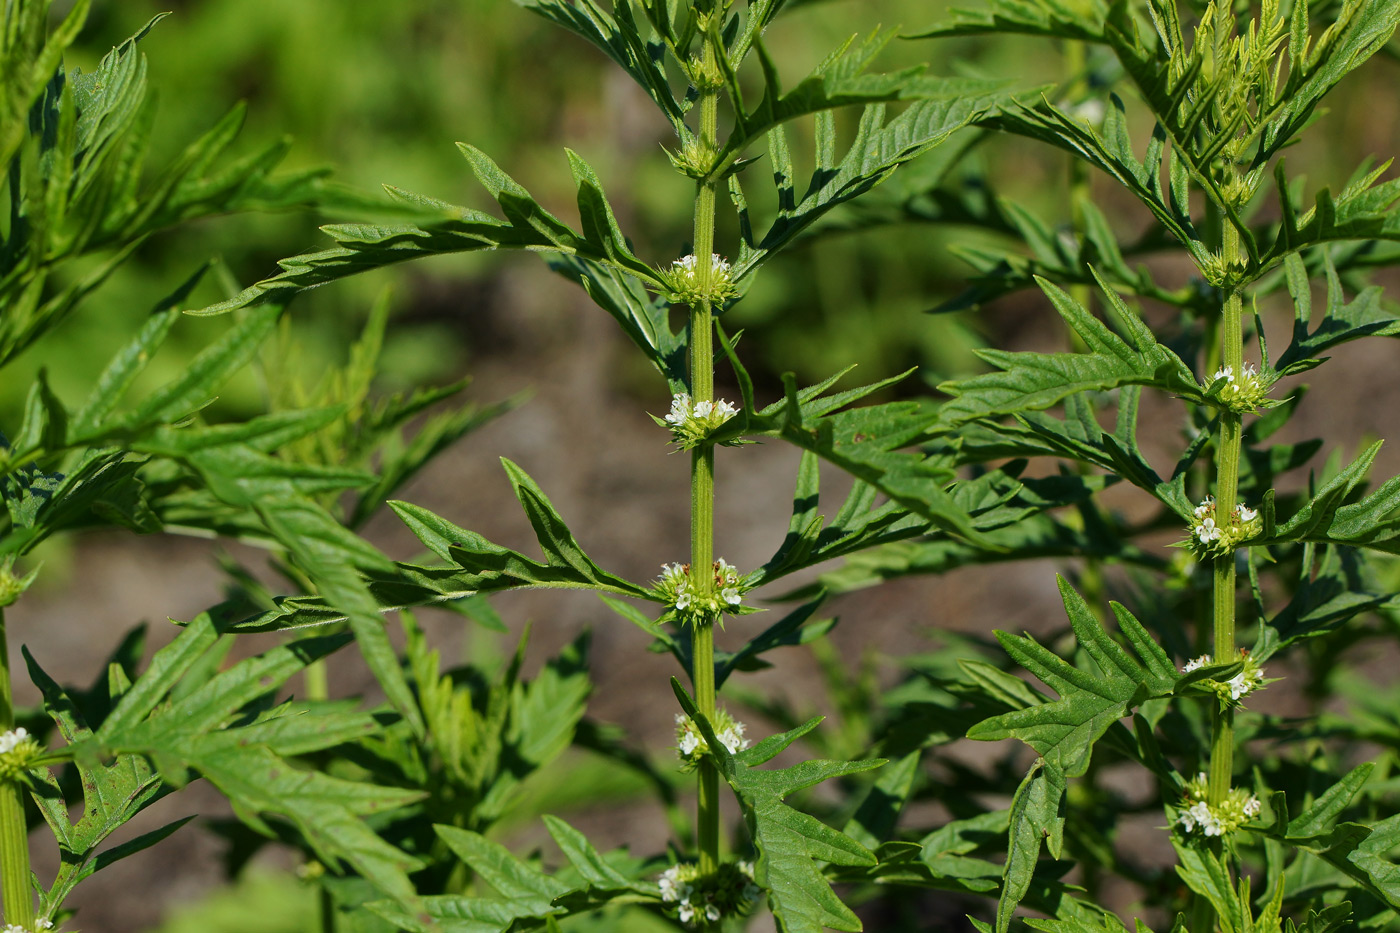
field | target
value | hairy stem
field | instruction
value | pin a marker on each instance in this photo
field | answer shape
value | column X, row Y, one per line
column 1222, row 752
column 16, row 899
column 702, row 474
column 1222, row 742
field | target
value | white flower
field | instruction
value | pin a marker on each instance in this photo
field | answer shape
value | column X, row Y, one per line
column 9, row 741
column 1206, row 507
column 1199, row 815
column 1245, row 513
column 673, row 886
column 1251, row 806
column 1195, row 664
column 686, row 912
column 1245, row 682
column 1207, row 531
column 676, row 587
column 723, row 410
column 680, row 409
column 1243, row 392
column 686, row 288
column 733, row 738
column 692, row 422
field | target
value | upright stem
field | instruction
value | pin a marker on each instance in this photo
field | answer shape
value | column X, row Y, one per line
column 16, row 897
column 702, row 473
column 1227, row 478
column 1222, row 751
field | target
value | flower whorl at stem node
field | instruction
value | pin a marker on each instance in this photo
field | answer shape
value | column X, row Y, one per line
column 1243, row 393
column 691, row 746
column 692, row 423
column 40, row 926
column 11, row 586
column 728, row 892
column 1197, row 816
column 1210, row 538
column 1232, row 691
column 18, row 751
column 695, row 159
column 676, row 586
column 686, row 287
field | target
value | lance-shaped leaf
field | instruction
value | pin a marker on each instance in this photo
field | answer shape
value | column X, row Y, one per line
column 1363, row 210
column 208, row 730
column 1078, row 436
column 1362, row 27
column 1362, row 853
column 790, row 844
column 841, row 79
column 113, row 793
column 1110, row 150
column 877, row 150
column 1034, row 537
column 1339, row 322
column 489, row 566
column 868, row 443
column 1050, row 18
column 860, row 523
column 528, row 899
column 1373, row 522
column 1331, row 594
column 458, row 229
column 1035, row 381
column 1064, row 731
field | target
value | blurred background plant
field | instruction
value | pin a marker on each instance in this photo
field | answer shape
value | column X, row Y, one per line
column 379, row 91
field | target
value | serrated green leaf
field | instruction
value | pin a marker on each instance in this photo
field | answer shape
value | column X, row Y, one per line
column 789, row 843
column 527, row 226
column 1050, row 18
column 1034, row 819
column 1031, row 381
column 1064, row 731
column 878, row 149
column 1340, row 321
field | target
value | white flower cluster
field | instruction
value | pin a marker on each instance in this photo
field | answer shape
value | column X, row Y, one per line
column 17, row 750
column 9, row 741
column 726, row 592
column 40, row 926
column 692, row 422
column 686, row 287
column 1198, row 816
column 1242, row 393
column 691, row 745
column 730, row 891
column 1210, row 538
column 1235, row 689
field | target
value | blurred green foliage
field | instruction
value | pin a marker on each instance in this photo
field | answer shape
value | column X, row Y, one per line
column 381, row 90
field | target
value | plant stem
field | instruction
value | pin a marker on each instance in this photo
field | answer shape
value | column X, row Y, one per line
column 1222, row 721
column 16, row 899
column 702, row 472
column 1222, row 751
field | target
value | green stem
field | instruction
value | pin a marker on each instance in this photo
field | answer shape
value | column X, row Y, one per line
column 1227, row 479
column 16, row 897
column 702, row 473
column 1222, row 752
